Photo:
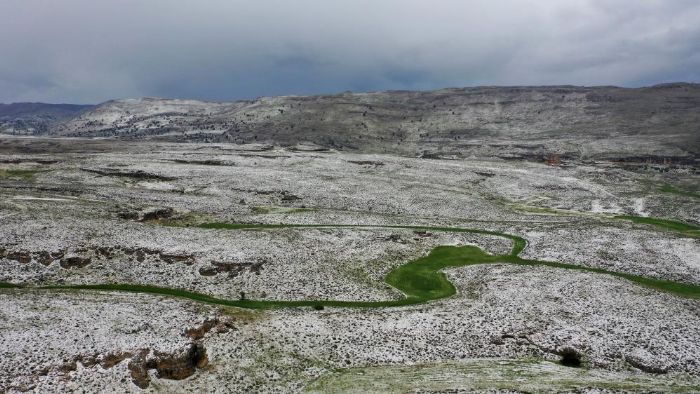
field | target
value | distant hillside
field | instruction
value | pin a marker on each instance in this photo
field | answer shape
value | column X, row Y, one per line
column 36, row 118
column 655, row 123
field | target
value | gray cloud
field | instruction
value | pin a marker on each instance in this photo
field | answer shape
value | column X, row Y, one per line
column 90, row 51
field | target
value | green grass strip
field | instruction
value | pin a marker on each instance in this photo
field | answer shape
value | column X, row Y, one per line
column 19, row 173
column 674, row 190
column 420, row 280
column 667, row 224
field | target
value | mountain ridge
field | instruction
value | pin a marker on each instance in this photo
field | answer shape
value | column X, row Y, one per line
column 519, row 121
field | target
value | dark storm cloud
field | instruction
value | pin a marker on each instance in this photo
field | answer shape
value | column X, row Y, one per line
column 94, row 50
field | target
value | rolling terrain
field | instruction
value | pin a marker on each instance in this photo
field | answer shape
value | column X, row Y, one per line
column 36, row 118
column 658, row 123
column 532, row 239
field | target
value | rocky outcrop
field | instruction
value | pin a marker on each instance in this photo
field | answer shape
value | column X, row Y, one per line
column 368, row 163
column 21, row 256
column 178, row 365
column 156, row 214
column 75, row 262
column 83, row 256
column 232, row 268
column 646, row 362
column 147, row 214
column 171, row 258
column 47, row 258
column 220, row 326
column 135, row 174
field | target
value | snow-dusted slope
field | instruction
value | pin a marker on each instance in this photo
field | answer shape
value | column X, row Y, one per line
column 118, row 117
column 660, row 122
column 36, row 118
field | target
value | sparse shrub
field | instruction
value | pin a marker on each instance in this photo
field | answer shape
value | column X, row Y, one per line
column 570, row 358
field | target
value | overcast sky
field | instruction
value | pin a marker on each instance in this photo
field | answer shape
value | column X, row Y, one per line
column 89, row 51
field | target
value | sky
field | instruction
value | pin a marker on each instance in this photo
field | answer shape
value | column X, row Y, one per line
column 90, row 51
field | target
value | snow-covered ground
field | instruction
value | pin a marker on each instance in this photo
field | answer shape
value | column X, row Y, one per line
column 79, row 219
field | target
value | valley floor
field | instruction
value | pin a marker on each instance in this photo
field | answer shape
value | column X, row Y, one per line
column 155, row 215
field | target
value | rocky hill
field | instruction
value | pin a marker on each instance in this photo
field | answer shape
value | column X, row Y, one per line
column 36, row 118
column 659, row 123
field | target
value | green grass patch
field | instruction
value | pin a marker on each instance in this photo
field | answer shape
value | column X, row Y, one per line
column 421, row 279
column 26, row 175
column 667, row 224
column 680, row 192
column 182, row 220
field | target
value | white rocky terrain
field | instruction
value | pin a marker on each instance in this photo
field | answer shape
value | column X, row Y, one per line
column 603, row 298
column 658, row 124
